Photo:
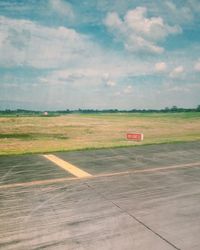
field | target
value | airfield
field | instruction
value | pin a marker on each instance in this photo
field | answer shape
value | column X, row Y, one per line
column 127, row 198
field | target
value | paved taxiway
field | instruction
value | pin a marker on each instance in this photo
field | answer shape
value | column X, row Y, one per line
column 144, row 198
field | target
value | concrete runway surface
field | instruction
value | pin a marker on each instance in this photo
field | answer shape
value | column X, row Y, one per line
column 137, row 198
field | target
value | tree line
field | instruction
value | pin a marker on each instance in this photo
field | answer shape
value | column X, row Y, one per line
column 93, row 111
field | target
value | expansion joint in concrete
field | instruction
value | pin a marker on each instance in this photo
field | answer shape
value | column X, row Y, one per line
column 133, row 217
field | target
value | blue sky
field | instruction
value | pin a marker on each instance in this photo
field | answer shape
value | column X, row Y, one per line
column 101, row 54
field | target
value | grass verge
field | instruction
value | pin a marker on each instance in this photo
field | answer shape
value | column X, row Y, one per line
column 22, row 135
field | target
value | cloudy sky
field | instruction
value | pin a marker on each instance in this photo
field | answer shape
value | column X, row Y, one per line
column 57, row 54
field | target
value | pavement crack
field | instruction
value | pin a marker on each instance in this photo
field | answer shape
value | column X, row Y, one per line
column 132, row 216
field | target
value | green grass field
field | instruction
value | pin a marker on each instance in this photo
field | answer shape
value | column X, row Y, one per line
column 19, row 135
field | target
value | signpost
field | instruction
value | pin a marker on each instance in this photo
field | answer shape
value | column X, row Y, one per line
column 135, row 136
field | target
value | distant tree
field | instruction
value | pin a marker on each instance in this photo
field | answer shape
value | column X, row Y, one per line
column 166, row 109
column 174, row 108
column 8, row 111
column 198, row 108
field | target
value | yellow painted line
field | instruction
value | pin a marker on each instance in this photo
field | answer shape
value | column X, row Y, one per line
column 68, row 167
column 148, row 170
column 33, row 183
column 60, row 180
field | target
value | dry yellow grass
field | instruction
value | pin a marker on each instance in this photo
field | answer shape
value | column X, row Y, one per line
column 47, row 134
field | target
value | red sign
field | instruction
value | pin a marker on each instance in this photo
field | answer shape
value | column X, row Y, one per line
column 135, row 137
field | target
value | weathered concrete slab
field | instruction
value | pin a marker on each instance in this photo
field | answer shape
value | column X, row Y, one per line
column 26, row 168
column 157, row 210
column 69, row 216
column 168, row 202
column 133, row 158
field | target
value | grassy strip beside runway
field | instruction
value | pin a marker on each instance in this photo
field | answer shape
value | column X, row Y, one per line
column 19, row 135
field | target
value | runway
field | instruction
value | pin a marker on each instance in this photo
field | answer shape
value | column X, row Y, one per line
column 144, row 197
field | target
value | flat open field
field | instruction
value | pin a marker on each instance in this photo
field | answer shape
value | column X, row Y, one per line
column 81, row 131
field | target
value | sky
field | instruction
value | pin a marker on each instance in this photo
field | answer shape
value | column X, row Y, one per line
column 99, row 54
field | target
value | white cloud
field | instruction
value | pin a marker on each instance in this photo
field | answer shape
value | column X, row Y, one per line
column 180, row 14
column 128, row 89
column 175, row 87
column 27, row 43
column 178, row 89
column 194, row 5
column 177, row 72
column 110, row 83
column 152, row 28
column 161, row 67
column 63, row 8
column 113, row 20
column 72, row 55
column 103, row 71
column 197, row 66
column 170, row 5
column 138, row 32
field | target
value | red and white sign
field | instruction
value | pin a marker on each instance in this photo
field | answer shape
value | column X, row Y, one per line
column 135, row 136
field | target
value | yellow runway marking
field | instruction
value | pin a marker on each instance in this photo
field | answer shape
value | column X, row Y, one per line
column 35, row 183
column 67, row 166
column 60, row 180
column 148, row 170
